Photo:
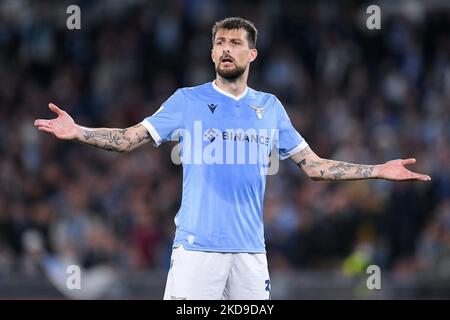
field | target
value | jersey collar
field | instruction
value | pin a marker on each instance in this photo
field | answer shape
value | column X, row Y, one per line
column 237, row 98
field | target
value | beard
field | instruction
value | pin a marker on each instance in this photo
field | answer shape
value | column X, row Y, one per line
column 230, row 74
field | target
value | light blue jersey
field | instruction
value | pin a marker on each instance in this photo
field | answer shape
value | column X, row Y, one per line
column 225, row 144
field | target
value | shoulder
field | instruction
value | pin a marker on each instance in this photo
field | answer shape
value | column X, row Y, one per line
column 266, row 97
column 188, row 97
column 202, row 89
column 185, row 94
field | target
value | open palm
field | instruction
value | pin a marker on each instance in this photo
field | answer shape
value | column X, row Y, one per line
column 395, row 170
column 63, row 127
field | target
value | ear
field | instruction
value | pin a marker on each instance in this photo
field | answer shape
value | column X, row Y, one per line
column 212, row 55
column 253, row 54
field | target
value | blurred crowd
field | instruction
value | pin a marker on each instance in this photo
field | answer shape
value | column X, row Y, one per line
column 356, row 95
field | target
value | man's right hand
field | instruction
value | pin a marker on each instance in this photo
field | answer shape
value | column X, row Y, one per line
column 63, row 127
column 110, row 139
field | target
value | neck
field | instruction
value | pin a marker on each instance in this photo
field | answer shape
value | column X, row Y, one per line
column 235, row 87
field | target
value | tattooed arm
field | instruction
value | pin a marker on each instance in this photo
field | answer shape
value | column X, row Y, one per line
column 120, row 140
column 323, row 169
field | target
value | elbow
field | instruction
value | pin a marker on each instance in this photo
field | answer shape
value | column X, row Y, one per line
column 125, row 150
column 314, row 175
column 117, row 149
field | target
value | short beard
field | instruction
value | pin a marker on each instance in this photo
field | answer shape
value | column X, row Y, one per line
column 230, row 75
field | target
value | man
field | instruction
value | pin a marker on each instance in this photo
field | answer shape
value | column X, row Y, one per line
column 219, row 250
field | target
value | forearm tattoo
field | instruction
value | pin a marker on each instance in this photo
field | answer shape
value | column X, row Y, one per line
column 118, row 140
column 335, row 170
column 349, row 171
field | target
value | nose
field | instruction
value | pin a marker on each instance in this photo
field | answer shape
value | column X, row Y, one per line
column 226, row 51
column 226, row 47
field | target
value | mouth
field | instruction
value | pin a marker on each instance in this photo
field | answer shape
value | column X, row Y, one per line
column 226, row 59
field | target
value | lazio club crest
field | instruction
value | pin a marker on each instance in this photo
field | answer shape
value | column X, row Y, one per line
column 259, row 111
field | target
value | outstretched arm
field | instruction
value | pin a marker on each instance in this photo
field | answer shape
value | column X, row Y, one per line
column 111, row 139
column 323, row 169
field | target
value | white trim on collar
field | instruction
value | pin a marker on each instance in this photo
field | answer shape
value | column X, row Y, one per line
column 229, row 94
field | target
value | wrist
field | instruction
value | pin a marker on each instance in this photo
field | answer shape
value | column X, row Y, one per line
column 377, row 170
column 79, row 133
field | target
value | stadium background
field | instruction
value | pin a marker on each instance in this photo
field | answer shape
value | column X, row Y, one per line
column 355, row 94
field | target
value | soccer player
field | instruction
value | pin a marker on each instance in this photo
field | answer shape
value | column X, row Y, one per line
column 226, row 132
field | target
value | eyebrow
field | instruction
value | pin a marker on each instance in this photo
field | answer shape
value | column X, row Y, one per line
column 231, row 39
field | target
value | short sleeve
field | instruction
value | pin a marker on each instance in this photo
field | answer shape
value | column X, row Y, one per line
column 166, row 121
column 289, row 141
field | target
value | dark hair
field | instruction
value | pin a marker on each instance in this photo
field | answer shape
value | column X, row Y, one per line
column 237, row 23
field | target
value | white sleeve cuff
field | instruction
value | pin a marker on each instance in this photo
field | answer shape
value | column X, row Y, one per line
column 294, row 150
column 151, row 129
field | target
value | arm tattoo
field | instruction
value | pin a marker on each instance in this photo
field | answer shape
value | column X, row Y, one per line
column 339, row 170
column 324, row 169
column 305, row 152
column 314, row 164
column 108, row 139
column 365, row 171
column 347, row 171
column 119, row 140
column 302, row 163
column 143, row 137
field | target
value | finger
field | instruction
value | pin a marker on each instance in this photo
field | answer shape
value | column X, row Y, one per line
column 55, row 109
column 422, row 177
column 408, row 161
column 41, row 122
column 45, row 129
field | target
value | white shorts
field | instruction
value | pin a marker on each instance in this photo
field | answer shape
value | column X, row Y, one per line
column 197, row 275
